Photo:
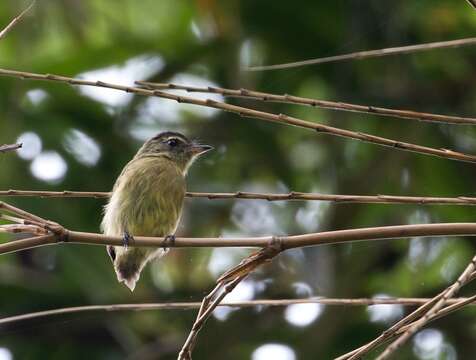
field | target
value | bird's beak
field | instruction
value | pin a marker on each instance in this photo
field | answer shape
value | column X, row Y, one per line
column 199, row 149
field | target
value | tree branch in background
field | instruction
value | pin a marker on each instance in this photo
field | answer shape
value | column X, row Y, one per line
column 246, row 112
column 325, row 104
column 293, row 195
column 235, row 304
column 370, row 53
column 450, row 291
column 9, row 147
column 15, row 21
column 410, row 319
column 472, row 3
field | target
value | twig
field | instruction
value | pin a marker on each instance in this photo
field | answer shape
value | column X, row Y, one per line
column 225, row 285
column 404, row 323
column 370, row 53
column 389, row 333
column 455, row 304
column 333, row 105
column 448, row 293
column 235, row 304
column 246, row 112
column 15, row 21
column 9, row 147
column 293, row 195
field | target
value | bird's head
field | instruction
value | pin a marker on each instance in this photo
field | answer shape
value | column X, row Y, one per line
column 174, row 146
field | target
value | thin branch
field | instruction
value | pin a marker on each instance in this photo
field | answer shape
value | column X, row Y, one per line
column 325, row 104
column 246, row 112
column 9, row 147
column 370, row 54
column 387, row 335
column 15, row 20
column 293, row 195
column 235, row 304
column 448, row 293
column 405, row 323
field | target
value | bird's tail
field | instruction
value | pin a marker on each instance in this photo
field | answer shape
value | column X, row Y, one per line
column 129, row 263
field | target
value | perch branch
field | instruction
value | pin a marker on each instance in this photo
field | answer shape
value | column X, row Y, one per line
column 56, row 234
column 325, row 104
column 370, row 53
column 15, row 21
column 9, row 147
column 246, row 112
column 293, row 195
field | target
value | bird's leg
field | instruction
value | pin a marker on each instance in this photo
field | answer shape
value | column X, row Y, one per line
column 169, row 241
column 127, row 239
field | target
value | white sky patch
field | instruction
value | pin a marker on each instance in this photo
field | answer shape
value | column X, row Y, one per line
column 429, row 344
column 424, row 250
column 449, row 270
column 244, row 291
column 384, row 313
column 405, row 177
column 5, row 354
column 302, row 289
column 49, row 166
column 36, row 96
column 222, row 312
column 255, row 218
column 83, row 147
column 194, row 80
column 137, row 68
column 274, row 352
column 221, row 260
column 31, row 145
column 305, row 155
column 309, row 216
column 155, row 114
column 251, row 53
column 418, row 217
column 161, row 277
column 197, row 31
column 302, row 314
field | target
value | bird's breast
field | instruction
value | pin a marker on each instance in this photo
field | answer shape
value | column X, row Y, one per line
column 147, row 199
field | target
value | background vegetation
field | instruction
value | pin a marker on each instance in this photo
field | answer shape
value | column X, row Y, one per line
column 79, row 139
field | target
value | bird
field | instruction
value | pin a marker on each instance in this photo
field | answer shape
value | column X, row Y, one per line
column 147, row 200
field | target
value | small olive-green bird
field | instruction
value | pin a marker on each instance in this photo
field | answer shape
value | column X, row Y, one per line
column 147, row 200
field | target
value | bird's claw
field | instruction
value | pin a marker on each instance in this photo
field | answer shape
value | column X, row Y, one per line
column 169, row 241
column 127, row 239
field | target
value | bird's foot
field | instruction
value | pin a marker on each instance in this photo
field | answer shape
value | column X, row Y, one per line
column 169, row 241
column 127, row 239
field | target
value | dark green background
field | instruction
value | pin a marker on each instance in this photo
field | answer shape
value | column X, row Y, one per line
column 71, row 37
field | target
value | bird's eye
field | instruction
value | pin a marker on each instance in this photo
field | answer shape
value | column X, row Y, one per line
column 172, row 142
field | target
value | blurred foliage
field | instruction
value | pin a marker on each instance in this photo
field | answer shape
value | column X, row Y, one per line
column 87, row 139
